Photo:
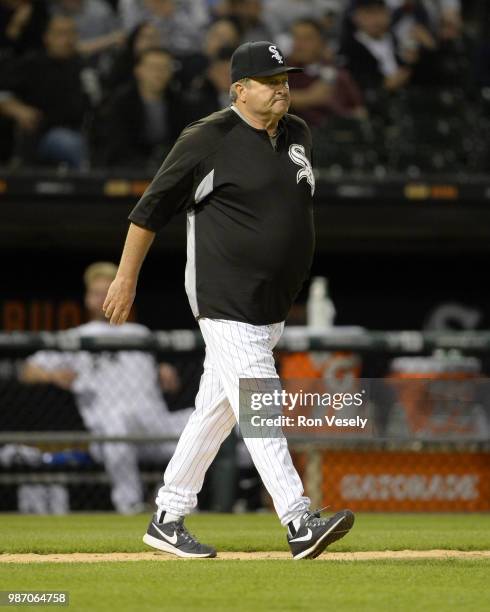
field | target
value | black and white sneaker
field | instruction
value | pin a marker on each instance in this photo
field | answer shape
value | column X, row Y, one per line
column 174, row 538
column 314, row 534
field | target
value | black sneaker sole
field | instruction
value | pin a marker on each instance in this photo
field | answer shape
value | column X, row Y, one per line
column 168, row 548
column 340, row 528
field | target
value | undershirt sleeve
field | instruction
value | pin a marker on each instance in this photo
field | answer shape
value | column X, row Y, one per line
column 170, row 190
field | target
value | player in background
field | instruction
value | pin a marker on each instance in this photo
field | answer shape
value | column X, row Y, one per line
column 117, row 393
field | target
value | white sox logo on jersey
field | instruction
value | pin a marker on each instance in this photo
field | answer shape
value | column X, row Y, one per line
column 298, row 156
column 275, row 54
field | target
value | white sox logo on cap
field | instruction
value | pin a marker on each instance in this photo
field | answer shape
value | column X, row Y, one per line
column 275, row 54
column 298, row 156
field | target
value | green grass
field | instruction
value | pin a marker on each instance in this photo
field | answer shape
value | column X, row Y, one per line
column 261, row 585
column 397, row 585
column 252, row 532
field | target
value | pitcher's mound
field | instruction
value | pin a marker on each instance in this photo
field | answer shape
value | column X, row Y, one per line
column 243, row 556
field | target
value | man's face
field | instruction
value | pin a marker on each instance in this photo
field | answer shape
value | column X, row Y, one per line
column 374, row 20
column 307, row 44
column 61, row 37
column 268, row 95
column 154, row 71
column 94, row 297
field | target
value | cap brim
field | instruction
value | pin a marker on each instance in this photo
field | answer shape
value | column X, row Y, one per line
column 273, row 71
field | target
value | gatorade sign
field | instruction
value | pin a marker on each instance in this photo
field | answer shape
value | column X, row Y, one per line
column 407, row 481
column 410, row 487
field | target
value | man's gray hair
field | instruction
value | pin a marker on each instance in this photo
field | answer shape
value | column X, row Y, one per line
column 233, row 93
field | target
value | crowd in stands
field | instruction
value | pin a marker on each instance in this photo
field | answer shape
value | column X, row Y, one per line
column 111, row 83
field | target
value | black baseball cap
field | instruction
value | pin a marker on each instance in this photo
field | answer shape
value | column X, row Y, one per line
column 258, row 58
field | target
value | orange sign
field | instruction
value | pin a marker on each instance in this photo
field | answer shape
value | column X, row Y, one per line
column 407, row 481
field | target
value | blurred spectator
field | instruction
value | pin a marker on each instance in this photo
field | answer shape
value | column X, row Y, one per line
column 181, row 24
column 221, row 33
column 411, row 27
column 22, row 24
column 97, row 25
column 451, row 59
column 450, row 24
column 322, row 90
column 46, row 95
column 431, row 38
column 416, row 41
column 117, row 393
column 279, row 15
column 247, row 14
column 369, row 48
column 145, row 116
column 144, row 36
column 437, row 11
column 210, row 92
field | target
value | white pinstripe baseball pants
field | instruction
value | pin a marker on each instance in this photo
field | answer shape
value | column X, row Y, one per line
column 234, row 350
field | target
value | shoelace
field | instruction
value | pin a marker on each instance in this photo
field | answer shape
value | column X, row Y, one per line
column 181, row 529
column 314, row 518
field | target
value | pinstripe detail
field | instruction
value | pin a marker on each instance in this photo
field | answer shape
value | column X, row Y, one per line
column 199, row 443
column 190, row 268
column 234, row 350
column 259, row 447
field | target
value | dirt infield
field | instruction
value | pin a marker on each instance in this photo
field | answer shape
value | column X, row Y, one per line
column 243, row 556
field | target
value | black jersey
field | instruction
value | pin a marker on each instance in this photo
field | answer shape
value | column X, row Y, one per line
column 250, row 234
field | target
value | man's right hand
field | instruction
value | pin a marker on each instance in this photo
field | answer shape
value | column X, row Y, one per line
column 120, row 295
column 119, row 300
